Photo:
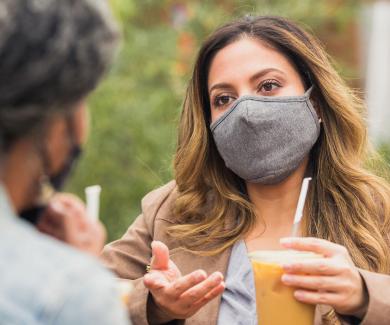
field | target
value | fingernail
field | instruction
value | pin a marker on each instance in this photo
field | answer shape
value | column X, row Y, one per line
column 216, row 277
column 299, row 295
column 200, row 275
column 287, row 267
column 56, row 207
column 158, row 283
column 286, row 278
column 286, row 241
column 147, row 278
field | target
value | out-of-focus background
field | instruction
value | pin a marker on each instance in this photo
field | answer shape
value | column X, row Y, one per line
column 136, row 109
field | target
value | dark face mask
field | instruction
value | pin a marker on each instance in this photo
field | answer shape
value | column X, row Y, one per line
column 56, row 181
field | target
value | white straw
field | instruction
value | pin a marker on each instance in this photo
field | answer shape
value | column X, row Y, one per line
column 300, row 206
column 92, row 194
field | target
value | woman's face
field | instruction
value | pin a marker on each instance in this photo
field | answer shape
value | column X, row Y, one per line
column 250, row 67
column 58, row 149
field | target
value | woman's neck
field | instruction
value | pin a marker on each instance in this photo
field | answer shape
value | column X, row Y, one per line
column 275, row 207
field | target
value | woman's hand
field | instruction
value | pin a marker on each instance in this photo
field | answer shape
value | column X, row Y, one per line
column 333, row 280
column 66, row 219
column 177, row 296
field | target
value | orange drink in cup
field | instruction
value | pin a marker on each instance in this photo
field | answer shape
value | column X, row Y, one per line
column 125, row 287
column 275, row 301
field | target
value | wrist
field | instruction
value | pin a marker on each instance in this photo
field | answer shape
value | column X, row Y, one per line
column 361, row 309
column 155, row 314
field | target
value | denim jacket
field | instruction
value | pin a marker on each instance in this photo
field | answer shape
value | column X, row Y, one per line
column 43, row 281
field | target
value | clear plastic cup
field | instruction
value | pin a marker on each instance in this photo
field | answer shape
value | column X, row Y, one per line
column 275, row 301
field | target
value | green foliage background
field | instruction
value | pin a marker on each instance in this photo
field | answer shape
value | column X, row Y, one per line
column 134, row 112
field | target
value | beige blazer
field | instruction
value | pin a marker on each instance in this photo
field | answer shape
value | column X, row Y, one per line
column 128, row 257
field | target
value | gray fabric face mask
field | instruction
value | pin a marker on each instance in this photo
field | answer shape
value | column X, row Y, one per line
column 264, row 139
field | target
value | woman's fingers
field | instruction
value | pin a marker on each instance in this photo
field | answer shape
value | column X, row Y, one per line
column 160, row 256
column 311, row 244
column 317, row 298
column 155, row 281
column 52, row 221
column 200, row 290
column 187, row 289
column 65, row 219
column 210, row 296
column 332, row 279
column 176, row 295
column 320, row 283
column 46, row 226
column 188, row 303
column 186, row 282
column 71, row 201
column 321, row 266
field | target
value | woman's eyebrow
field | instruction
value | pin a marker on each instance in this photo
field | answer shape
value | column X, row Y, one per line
column 264, row 72
column 222, row 85
column 257, row 75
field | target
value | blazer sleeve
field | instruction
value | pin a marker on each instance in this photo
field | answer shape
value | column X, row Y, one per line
column 378, row 288
column 378, row 309
column 129, row 256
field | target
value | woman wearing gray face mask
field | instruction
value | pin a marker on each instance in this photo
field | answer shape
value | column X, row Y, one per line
column 264, row 108
column 52, row 55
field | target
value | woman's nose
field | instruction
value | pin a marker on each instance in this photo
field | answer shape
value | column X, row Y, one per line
column 246, row 91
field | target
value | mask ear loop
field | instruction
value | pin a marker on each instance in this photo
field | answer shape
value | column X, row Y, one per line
column 310, row 89
column 47, row 189
column 59, row 178
column 69, row 120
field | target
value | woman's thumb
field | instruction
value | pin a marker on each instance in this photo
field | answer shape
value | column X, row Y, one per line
column 160, row 256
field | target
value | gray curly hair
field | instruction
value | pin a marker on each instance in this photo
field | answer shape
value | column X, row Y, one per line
column 52, row 54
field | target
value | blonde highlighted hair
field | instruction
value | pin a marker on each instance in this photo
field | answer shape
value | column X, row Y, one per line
column 347, row 203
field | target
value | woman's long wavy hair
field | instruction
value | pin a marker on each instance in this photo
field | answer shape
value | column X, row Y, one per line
column 347, row 204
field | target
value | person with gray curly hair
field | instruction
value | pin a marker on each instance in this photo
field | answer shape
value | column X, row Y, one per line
column 52, row 55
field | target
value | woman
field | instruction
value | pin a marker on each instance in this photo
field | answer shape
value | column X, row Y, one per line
column 263, row 109
column 53, row 53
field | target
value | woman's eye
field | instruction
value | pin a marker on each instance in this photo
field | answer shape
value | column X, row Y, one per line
column 269, row 86
column 221, row 101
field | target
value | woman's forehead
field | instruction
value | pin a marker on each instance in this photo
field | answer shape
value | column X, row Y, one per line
column 245, row 57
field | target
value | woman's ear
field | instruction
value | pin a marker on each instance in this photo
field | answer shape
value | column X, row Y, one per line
column 81, row 122
column 314, row 98
column 56, row 142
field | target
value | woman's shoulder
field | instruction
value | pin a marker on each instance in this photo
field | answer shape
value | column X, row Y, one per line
column 158, row 204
